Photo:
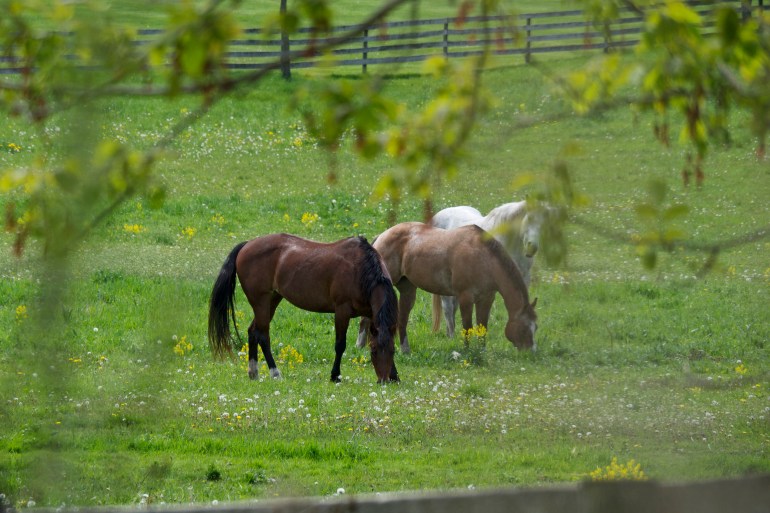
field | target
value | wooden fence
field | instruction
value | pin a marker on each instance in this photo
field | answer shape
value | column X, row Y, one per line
column 747, row 495
column 396, row 43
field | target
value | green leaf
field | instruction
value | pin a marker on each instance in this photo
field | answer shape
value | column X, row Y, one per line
column 522, row 181
column 649, row 258
column 675, row 212
column 193, row 57
column 155, row 197
column 646, row 211
column 657, row 190
column 681, row 13
column 728, row 25
column 673, row 235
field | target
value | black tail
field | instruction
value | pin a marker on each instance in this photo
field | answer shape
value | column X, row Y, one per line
column 222, row 306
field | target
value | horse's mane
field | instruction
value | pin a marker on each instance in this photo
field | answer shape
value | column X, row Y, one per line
column 505, row 214
column 505, row 260
column 372, row 276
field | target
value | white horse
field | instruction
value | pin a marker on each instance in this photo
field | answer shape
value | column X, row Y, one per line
column 512, row 224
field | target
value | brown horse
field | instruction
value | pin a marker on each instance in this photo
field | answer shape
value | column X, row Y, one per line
column 346, row 278
column 466, row 263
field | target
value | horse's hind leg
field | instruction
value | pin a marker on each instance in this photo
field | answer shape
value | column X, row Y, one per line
column 449, row 305
column 263, row 340
column 259, row 335
column 254, row 335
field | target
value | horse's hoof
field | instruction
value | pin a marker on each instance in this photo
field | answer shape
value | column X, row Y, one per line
column 253, row 370
column 406, row 349
column 275, row 373
column 336, row 379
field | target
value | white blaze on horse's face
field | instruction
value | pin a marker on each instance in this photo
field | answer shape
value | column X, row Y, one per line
column 533, row 329
column 530, row 232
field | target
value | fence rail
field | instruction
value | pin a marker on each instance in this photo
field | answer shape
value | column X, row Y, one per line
column 400, row 42
column 746, row 495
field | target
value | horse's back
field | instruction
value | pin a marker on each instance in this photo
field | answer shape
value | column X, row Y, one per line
column 454, row 217
column 306, row 273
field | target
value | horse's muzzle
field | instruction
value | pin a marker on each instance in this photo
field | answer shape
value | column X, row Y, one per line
column 530, row 249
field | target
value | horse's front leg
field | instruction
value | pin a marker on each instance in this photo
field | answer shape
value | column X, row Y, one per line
column 483, row 309
column 341, row 322
column 466, row 314
column 407, row 293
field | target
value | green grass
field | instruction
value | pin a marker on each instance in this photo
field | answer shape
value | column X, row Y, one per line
column 98, row 408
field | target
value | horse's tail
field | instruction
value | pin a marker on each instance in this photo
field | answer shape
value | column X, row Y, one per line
column 436, row 312
column 222, row 306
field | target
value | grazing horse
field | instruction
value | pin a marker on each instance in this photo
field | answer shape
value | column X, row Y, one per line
column 466, row 263
column 515, row 226
column 347, row 278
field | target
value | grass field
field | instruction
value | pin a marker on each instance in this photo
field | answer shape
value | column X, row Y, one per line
column 116, row 400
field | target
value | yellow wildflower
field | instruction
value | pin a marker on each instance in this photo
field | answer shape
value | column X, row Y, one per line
column 631, row 471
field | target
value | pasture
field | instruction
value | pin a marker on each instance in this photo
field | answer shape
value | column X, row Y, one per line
column 118, row 400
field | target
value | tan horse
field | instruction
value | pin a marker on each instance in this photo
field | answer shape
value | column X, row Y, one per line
column 346, row 278
column 516, row 226
column 466, row 263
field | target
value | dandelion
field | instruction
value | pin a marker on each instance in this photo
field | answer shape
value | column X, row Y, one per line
column 183, row 346
column 741, row 369
column 188, row 232
column 290, row 356
column 218, row 219
column 308, row 219
column 135, row 229
column 479, row 331
column 13, row 148
column 630, row 471
column 21, row 313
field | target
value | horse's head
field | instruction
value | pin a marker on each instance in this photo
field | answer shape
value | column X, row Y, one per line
column 382, row 350
column 382, row 332
column 530, row 231
column 521, row 328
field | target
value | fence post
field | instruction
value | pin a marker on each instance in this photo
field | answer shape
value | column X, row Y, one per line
column 528, row 53
column 285, row 47
column 366, row 50
column 446, row 38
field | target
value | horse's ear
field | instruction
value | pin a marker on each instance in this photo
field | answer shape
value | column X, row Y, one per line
column 534, row 303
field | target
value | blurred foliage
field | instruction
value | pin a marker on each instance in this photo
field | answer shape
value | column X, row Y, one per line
column 68, row 61
column 691, row 66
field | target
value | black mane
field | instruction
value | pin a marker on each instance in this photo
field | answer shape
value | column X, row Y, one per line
column 372, row 276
